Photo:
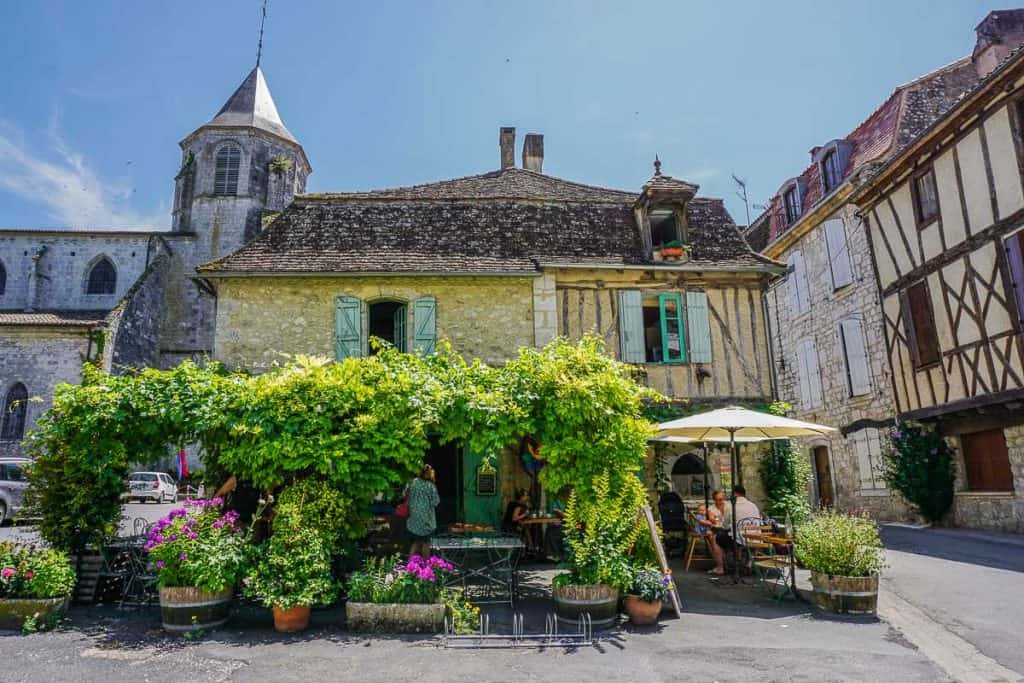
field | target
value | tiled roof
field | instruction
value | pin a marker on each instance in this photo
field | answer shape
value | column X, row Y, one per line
column 508, row 221
column 52, row 318
column 902, row 117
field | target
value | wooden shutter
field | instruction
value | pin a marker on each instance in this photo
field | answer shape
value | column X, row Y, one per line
column 987, row 461
column 863, row 453
column 920, row 324
column 424, row 320
column 631, row 326
column 874, row 440
column 673, row 346
column 838, row 253
column 810, row 376
column 700, row 328
column 1015, row 259
column 348, row 327
column 858, row 373
column 799, row 296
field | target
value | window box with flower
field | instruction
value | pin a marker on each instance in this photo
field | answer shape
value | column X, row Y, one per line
column 388, row 595
column 35, row 583
column 199, row 555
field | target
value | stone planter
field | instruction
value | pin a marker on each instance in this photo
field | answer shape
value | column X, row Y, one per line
column 291, row 620
column 369, row 617
column 191, row 609
column 845, row 594
column 14, row 611
column 642, row 612
column 600, row 601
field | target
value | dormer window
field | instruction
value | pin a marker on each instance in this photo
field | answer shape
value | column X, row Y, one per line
column 664, row 227
column 791, row 201
column 831, row 174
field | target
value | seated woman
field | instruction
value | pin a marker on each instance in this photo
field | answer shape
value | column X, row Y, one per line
column 517, row 510
column 707, row 526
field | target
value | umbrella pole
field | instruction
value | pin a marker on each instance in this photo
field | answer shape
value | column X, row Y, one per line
column 735, row 538
column 707, row 494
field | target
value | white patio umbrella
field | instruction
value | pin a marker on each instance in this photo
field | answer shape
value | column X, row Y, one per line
column 687, row 441
column 732, row 424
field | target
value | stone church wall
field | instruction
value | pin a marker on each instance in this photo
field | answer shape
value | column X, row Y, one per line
column 133, row 331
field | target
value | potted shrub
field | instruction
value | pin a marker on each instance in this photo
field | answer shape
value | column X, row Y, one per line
column 646, row 596
column 199, row 555
column 845, row 556
column 600, row 532
column 395, row 596
column 291, row 573
column 35, row 584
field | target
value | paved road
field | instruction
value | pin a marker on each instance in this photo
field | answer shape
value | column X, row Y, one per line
column 971, row 583
column 148, row 511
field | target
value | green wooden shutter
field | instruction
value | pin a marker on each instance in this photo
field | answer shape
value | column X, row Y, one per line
column 631, row 326
column 700, row 328
column 398, row 324
column 673, row 347
column 348, row 327
column 424, row 321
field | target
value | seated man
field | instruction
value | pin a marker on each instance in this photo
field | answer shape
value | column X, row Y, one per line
column 745, row 510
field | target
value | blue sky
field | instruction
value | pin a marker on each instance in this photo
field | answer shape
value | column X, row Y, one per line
column 96, row 95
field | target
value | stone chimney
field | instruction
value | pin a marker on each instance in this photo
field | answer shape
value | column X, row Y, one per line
column 507, row 142
column 1001, row 32
column 533, row 152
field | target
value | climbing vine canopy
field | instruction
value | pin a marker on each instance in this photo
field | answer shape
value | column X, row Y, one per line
column 361, row 425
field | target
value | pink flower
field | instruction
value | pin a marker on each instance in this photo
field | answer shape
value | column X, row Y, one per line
column 29, row 575
column 159, row 564
column 8, row 572
column 183, row 557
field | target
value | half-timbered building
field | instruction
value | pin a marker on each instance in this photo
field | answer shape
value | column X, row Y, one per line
column 944, row 222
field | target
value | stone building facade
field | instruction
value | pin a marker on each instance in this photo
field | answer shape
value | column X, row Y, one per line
column 498, row 261
column 130, row 298
column 945, row 222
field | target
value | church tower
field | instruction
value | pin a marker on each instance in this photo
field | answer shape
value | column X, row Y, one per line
column 237, row 170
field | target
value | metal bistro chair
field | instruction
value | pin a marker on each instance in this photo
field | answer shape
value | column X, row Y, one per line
column 770, row 570
column 140, row 585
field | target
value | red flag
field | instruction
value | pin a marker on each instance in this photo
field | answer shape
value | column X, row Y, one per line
column 182, row 465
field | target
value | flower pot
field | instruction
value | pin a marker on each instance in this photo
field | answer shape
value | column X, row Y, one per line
column 291, row 620
column 14, row 611
column 844, row 594
column 369, row 617
column 600, row 601
column 641, row 612
column 191, row 609
column 672, row 253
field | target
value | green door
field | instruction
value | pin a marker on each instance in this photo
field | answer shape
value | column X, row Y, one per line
column 479, row 508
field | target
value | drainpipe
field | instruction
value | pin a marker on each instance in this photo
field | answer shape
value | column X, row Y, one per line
column 773, row 377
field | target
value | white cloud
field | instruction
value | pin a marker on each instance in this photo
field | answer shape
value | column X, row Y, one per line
column 699, row 174
column 62, row 183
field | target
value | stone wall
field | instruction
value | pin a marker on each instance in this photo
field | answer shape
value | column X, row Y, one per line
column 133, row 328
column 821, row 323
column 39, row 358
column 259, row 320
column 1002, row 511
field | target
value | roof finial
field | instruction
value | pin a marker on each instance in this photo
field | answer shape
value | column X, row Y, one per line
column 657, row 165
column 259, row 47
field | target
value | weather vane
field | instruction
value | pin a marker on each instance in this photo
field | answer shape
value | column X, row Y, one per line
column 259, row 47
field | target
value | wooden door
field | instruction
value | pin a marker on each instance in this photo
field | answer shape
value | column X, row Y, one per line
column 823, row 475
column 986, row 461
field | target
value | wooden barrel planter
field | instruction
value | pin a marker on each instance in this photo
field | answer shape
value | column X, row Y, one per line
column 191, row 609
column 600, row 601
column 846, row 594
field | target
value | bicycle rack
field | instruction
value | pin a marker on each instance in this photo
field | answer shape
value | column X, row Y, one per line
column 584, row 635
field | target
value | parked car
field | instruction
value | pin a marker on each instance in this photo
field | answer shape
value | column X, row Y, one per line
column 155, row 486
column 12, row 486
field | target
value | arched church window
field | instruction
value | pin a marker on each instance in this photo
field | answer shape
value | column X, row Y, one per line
column 3, row 278
column 225, row 181
column 15, row 406
column 102, row 278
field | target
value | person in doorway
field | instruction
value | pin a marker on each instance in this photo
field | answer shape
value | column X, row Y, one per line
column 554, row 537
column 423, row 500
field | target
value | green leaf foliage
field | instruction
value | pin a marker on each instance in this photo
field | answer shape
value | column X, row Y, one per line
column 32, row 572
column 786, row 476
column 920, row 464
column 840, row 545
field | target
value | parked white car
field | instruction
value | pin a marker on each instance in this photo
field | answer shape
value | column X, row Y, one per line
column 12, row 486
column 155, row 486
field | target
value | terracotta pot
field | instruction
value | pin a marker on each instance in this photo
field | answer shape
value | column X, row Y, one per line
column 844, row 594
column 641, row 612
column 291, row 620
column 672, row 252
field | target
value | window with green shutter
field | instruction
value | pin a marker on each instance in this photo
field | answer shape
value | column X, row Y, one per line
column 424, row 321
column 670, row 307
column 348, row 327
column 699, row 327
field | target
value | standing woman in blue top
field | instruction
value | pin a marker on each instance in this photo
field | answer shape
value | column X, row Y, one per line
column 423, row 501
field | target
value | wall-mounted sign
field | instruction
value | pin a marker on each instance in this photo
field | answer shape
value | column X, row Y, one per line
column 486, row 479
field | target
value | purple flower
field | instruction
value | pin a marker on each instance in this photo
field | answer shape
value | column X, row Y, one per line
column 159, row 564
column 218, row 524
column 193, row 536
column 183, row 557
column 173, row 537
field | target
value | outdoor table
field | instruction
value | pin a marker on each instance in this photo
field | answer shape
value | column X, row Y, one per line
column 484, row 565
column 537, row 543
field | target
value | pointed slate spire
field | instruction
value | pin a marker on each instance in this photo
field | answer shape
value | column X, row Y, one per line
column 251, row 105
